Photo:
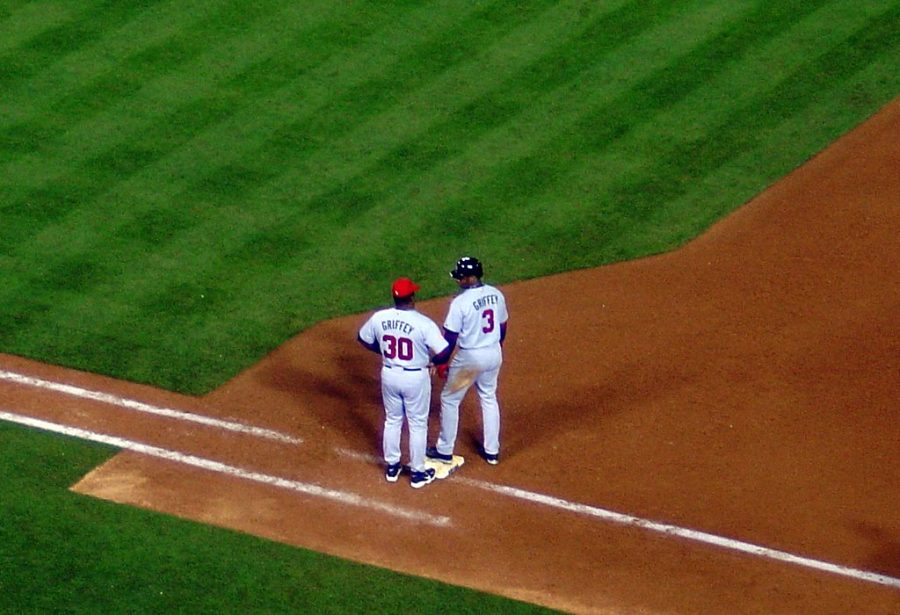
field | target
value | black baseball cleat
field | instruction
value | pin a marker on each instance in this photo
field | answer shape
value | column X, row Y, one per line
column 432, row 453
column 392, row 472
column 420, row 479
column 491, row 458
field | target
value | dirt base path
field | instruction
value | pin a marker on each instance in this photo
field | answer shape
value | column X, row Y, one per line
column 745, row 386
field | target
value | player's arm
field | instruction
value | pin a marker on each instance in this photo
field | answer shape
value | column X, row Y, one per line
column 451, row 337
column 373, row 346
column 438, row 346
column 503, row 317
column 442, row 359
column 443, row 356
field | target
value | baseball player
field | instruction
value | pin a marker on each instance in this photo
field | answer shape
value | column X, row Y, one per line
column 407, row 341
column 476, row 327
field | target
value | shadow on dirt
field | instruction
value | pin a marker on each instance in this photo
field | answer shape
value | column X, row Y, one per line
column 341, row 390
column 886, row 556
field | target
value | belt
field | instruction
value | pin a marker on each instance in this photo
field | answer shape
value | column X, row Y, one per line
column 406, row 369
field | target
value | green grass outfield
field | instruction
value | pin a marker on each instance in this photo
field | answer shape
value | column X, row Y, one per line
column 186, row 184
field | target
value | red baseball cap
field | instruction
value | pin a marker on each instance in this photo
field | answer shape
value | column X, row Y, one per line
column 403, row 287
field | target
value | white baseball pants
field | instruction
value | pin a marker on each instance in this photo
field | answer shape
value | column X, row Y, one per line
column 486, row 362
column 405, row 394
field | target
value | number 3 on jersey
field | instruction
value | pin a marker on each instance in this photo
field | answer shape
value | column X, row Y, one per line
column 488, row 317
column 398, row 347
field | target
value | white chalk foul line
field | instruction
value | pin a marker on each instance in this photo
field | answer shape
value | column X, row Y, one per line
column 674, row 530
column 342, row 497
column 654, row 526
column 356, row 455
column 131, row 404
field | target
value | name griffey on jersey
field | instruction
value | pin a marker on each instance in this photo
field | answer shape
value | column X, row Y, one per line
column 485, row 301
column 397, row 325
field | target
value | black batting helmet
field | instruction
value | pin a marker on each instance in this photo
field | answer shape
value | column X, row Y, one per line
column 467, row 266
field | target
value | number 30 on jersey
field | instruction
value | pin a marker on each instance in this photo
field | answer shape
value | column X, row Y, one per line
column 397, row 347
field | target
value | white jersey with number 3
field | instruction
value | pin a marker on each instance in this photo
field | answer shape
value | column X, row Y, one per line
column 476, row 314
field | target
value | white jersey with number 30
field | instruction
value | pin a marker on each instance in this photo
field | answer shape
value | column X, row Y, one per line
column 476, row 314
column 404, row 336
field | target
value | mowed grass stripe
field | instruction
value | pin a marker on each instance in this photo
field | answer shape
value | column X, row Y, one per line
column 427, row 103
column 65, row 186
column 312, row 135
column 176, row 290
column 314, row 132
column 281, row 248
column 81, row 29
column 833, row 111
column 89, row 275
column 21, row 23
column 230, row 185
column 166, row 28
column 752, row 60
column 90, row 81
column 548, row 173
column 293, row 42
column 181, row 290
column 568, row 49
column 147, row 192
column 351, row 128
column 537, row 98
column 168, row 131
column 305, row 214
column 366, row 234
column 50, row 215
column 576, row 235
column 444, row 188
column 177, row 94
column 302, row 118
column 747, row 126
